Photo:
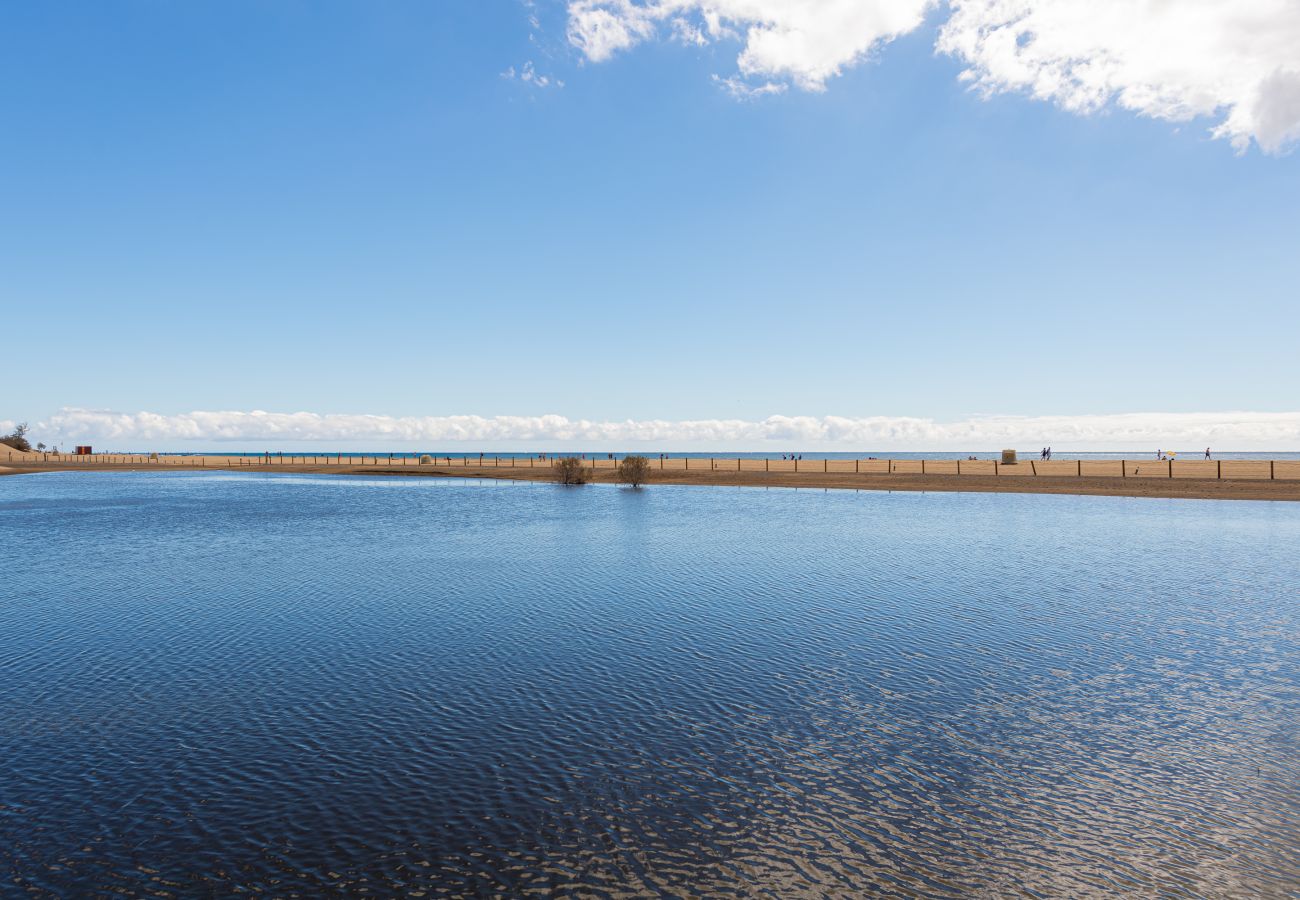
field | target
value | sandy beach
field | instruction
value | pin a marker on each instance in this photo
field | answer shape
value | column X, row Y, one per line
column 1192, row 479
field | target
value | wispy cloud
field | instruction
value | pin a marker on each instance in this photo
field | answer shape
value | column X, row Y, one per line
column 528, row 75
column 743, row 89
column 1235, row 62
column 1228, row 430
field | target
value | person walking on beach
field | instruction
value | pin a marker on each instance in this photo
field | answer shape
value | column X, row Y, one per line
column 1207, row 452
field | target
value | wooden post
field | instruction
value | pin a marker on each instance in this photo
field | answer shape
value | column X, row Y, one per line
column 688, row 462
column 922, row 467
column 826, row 465
column 796, row 465
column 995, row 468
column 856, row 468
column 737, row 463
column 1270, row 470
column 766, row 467
column 1219, row 469
column 1079, row 469
column 1123, row 469
column 959, row 467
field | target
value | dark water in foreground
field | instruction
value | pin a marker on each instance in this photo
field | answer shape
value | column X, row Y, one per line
column 211, row 682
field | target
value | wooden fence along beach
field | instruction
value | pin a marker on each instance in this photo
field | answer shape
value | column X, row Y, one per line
column 1227, row 479
column 1226, row 469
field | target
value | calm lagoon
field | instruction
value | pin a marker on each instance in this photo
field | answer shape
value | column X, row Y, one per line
column 305, row 685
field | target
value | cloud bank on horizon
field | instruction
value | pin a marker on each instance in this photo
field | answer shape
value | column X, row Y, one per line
column 1236, row 62
column 1228, row 431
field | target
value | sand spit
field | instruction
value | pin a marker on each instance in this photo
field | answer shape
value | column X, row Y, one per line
column 1194, row 479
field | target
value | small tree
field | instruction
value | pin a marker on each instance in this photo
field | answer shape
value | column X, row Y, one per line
column 17, row 439
column 570, row 470
column 634, row 470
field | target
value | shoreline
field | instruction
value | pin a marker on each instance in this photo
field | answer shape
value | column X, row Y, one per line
column 1157, row 482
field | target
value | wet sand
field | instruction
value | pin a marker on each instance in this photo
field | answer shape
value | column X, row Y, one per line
column 1260, row 480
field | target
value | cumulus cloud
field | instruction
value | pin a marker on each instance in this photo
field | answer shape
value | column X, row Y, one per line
column 1238, row 60
column 806, row 41
column 1236, row 430
column 1235, row 62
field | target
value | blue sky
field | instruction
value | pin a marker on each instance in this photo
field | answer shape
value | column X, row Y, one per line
column 355, row 208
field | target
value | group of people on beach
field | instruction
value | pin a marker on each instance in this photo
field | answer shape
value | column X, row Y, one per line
column 1168, row 455
column 1045, row 454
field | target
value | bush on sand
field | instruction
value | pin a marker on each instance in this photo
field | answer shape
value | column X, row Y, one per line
column 634, row 471
column 570, row 470
column 17, row 439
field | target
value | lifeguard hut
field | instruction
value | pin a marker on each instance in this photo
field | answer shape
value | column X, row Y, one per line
column 82, row 450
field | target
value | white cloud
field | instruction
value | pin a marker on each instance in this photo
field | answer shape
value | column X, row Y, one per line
column 1238, row 60
column 255, row 430
column 529, row 75
column 746, row 90
column 1235, row 62
column 805, row 41
column 601, row 29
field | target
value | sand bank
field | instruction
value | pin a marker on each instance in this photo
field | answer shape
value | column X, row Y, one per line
column 1194, row 479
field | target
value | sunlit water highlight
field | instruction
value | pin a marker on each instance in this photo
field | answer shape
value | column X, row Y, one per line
column 305, row 685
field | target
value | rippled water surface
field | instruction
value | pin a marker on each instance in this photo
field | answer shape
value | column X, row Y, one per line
column 313, row 685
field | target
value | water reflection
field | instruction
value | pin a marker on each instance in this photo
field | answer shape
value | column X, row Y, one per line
column 294, row 684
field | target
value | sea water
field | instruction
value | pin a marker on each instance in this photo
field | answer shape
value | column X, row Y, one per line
column 215, row 682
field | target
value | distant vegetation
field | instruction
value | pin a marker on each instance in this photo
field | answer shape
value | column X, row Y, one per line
column 17, row 439
column 570, row 470
column 634, row 470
